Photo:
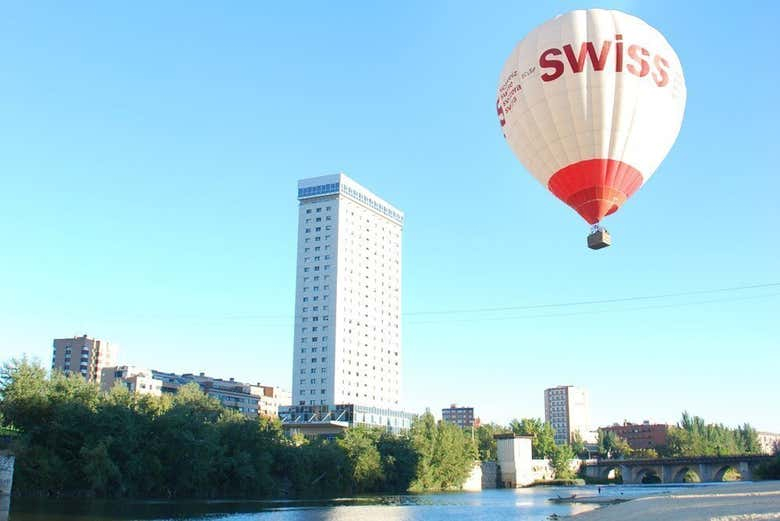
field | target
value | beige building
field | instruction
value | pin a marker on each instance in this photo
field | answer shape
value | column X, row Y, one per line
column 770, row 442
column 83, row 355
column 248, row 399
column 273, row 398
column 566, row 409
column 136, row 379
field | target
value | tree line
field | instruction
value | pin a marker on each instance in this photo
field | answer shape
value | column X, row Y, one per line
column 692, row 436
column 71, row 439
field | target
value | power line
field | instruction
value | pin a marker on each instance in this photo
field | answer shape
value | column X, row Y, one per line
column 591, row 302
column 593, row 312
column 286, row 320
column 545, row 306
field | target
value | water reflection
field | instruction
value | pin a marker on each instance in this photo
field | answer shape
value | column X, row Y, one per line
column 489, row 505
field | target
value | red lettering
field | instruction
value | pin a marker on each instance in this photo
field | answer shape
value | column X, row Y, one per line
column 644, row 66
column 500, row 111
column 662, row 78
column 618, row 53
column 578, row 63
column 545, row 62
column 639, row 60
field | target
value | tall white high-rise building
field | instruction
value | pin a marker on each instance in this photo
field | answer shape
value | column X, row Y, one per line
column 348, row 298
column 566, row 409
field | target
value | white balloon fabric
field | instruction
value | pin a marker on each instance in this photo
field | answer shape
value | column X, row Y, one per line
column 591, row 102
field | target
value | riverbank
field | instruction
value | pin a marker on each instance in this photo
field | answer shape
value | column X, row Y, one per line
column 759, row 501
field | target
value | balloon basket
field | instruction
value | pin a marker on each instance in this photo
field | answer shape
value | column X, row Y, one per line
column 599, row 239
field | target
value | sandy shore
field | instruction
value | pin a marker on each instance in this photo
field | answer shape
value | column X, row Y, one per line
column 733, row 502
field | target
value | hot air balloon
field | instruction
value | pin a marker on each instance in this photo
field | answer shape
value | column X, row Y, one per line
column 591, row 102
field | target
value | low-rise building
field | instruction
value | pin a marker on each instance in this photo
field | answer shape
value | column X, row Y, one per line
column 463, row 417
column 643, row 435
column 770, row 442
column 328, row 420
column 136, row 379
column 248, row 399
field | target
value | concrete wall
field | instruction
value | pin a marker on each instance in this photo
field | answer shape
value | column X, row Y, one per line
column 516, row 466
column 6, row 482
column 490, row 474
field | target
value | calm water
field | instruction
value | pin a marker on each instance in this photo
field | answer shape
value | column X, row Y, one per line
column 523, row 504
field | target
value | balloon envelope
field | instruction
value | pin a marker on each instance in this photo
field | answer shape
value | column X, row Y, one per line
column 591, row 102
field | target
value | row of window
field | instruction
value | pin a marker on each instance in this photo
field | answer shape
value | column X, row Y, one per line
column 307, row 249
column 315, row 319
column 315, row 298
column 313, row 370
column 316, row 268
column 316, row 258
column 311, row 391
column 318, row 219
column 317, row 229
column 313, row 381
column 305, row 309
column 314, row 360
column 315, row 328
column 318, row 209
column 318, row 238
column 314, row 349
column 325, row 287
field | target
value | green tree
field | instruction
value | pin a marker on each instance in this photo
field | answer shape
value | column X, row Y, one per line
column 399, row 461
column 543, row 443
column 74, row 440
column 560, row 460
column 486, row 442
column 24, row 393
column 360, row 447
column 578, row 445
column 99, row 469
column 610, row 445
column 692, row 436
column 445, row 454
column 644, row 454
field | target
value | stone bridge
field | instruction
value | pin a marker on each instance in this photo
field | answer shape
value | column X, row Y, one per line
column 673, row 470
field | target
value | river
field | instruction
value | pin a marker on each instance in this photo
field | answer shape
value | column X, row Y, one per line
column 489, row 505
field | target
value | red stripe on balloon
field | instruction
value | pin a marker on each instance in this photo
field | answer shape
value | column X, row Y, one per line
column 595, row 188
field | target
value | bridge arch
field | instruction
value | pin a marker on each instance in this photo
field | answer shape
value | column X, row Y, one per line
column 647, row 475
column 727, row 473
column 686, row 474
column 610, row 472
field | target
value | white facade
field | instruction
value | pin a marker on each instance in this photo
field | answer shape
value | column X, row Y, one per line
column 566, row 409
column 136, row 379
column 348, row 296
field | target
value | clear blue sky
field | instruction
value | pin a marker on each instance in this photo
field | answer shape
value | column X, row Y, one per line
column 149, row 153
